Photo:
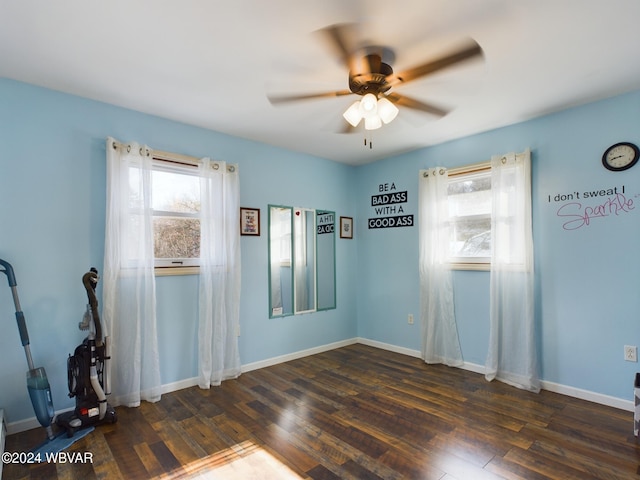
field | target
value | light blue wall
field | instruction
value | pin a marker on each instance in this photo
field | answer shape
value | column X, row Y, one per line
column 52, row 204
column 588, row 306
column 52, row 201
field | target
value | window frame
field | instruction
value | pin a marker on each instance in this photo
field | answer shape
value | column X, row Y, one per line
column 468, row 263
column 175, row 162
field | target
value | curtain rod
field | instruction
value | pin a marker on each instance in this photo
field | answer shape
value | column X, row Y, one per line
column 478, row 167
column 177, row 158
column 473, row 168
column 166, row 156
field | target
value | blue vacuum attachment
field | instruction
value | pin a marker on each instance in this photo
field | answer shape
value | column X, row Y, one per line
column 61, row 441
column 40, row 393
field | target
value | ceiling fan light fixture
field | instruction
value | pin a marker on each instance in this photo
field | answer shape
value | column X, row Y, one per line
column 369, row 105
column 352, row 114
column 387, row 111
column 372, row 123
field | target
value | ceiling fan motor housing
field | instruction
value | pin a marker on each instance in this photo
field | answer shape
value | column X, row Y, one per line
column 373, row 81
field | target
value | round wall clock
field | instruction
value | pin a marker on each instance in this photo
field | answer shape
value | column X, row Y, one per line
column 620, row 156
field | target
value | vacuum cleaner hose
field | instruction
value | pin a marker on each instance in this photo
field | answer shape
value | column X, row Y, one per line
column 102, row 398
column 107, row 366
column 90, row 280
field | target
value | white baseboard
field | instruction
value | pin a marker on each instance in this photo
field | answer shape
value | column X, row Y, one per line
column 295, row 355
column 30, row 423
column 628, row 405
column 569, row 391
column 594, row 397
column 389, row 347
column 574, row 392
column 179, row 385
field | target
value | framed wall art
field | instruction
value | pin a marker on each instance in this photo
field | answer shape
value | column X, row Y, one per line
column 250, row 221
column 346, row 227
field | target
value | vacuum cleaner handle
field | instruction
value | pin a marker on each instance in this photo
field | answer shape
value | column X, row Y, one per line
column 8, row 270
column 22, row 325
column 90, row 280
column 22, row 328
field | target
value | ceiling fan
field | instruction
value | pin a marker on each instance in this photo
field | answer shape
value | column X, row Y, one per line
column 371, row 76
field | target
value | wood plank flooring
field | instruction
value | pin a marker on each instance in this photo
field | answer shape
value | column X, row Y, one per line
column 354, row 413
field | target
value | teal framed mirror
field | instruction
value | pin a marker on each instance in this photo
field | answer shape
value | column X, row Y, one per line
column 280, row 261
column 304, row 260
column 326, row 259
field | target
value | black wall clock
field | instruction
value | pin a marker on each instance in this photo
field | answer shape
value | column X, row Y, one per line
column 620, row 156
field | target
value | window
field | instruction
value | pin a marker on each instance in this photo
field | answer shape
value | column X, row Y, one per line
column 175, row 201
column 469, row 198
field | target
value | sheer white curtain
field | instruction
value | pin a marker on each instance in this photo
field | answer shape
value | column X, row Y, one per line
column 440, row 343
column 219, row 293
column 512, row 346
column 129, row 289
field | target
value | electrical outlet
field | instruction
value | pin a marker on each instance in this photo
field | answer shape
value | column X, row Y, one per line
column 630, row 353
column 410, row 319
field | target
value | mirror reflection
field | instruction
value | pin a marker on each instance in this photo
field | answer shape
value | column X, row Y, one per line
column 326, row 259
column 301, row 260
column 280, row 274
column 304, row 259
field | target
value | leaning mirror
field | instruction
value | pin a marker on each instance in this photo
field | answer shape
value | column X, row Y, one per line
column 326, row 259
column 304, row 260
column 280, row 273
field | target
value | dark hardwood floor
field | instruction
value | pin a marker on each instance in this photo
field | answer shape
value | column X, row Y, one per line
column 354, row 413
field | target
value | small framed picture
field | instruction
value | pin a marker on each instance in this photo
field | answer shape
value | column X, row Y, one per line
column 250, row 221
column 346, row 227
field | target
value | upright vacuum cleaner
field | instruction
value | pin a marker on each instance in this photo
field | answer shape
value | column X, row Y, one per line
column 88, row 370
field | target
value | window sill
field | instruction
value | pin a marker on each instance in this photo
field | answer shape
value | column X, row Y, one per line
column 173, row 271
column 481, row 267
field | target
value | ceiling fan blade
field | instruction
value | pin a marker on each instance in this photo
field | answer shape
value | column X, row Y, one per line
column 468, row 52
column 339, row 36
column 347, row 128
column 336, row 124
column 277, row 99
column 404, row 101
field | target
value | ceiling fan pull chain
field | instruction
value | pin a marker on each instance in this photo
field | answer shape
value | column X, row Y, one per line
column 370, row 142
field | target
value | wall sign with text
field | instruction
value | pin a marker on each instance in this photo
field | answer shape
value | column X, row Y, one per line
column 389, row 208
column 580, row 209
column 325, row 223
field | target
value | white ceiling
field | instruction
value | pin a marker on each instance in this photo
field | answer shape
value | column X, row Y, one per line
column 212, row 63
